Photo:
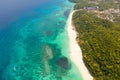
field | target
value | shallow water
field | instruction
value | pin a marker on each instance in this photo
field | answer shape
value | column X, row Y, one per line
column 34, row 42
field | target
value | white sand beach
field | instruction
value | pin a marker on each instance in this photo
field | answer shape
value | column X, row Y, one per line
column 75, row 51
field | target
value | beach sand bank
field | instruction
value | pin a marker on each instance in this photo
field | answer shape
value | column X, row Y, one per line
column 75, row 50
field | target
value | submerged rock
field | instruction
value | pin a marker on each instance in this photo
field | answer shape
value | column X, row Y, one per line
column 63, row 62
column 66, row 13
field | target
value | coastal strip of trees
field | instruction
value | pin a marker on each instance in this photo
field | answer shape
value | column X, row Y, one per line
column 99, row 40
column 103, row 4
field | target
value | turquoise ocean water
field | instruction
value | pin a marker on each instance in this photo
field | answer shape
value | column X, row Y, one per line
column 34, row 44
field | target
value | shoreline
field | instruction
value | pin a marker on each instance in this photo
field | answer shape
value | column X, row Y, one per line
column 75, row 51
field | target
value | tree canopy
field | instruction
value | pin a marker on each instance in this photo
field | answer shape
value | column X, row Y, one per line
column 100, row 43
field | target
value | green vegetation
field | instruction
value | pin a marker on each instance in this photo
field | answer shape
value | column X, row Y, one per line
column 107, row 5
column 118, row 19
column 103, row 4
column 99, row 38
column 83, row 4
column 80, row 4
column 100, row 43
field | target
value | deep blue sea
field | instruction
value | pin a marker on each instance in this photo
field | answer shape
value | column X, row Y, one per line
column 33, row 40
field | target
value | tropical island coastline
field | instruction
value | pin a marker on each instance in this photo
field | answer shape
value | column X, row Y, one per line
column 75, row 51
column 98, row 36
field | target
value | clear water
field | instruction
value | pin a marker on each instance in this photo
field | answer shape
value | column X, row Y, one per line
column 33, row 41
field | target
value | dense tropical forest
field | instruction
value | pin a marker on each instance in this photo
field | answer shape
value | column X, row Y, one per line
column 100, row 43
column 99, row 40
column 103, row 4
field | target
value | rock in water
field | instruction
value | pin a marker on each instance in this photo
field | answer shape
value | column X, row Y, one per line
column 63, row 62
column 66, row 13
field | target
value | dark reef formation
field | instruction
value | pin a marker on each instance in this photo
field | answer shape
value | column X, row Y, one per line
column 63, row 62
